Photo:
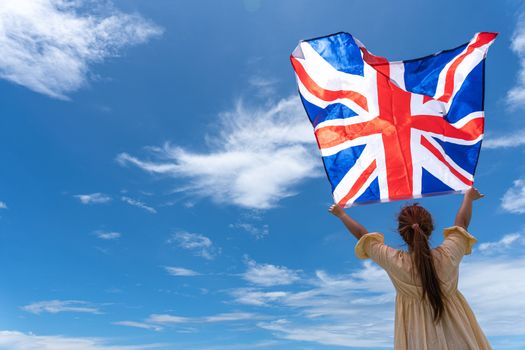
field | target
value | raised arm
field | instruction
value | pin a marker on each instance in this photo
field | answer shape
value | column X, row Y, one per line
column 465, row 211
column 353, row 226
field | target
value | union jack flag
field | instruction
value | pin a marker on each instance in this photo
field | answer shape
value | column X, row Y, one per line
column 393, row 130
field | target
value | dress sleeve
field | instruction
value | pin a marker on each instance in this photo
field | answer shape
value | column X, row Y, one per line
column 458, row 242
column 371, row 245
column 368, row 245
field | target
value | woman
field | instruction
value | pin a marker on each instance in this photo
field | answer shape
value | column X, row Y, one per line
column 431, row 313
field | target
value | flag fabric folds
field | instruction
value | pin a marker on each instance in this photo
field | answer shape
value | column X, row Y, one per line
column 393, row 130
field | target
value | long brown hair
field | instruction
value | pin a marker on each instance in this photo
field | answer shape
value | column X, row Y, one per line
column 416, row 226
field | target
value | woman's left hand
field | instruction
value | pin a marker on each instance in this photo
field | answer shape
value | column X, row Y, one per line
column 336, row 210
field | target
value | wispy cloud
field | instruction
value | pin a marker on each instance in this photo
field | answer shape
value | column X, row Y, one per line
column 513, row 200
column 138, row 204
column 514, row 139
column 14, row 340
column 260, row 81
column 254, row 230
column 56, row 306
column 224, row 317
column 3, row 205
column 329, row 309
column 263, row 86
column 230, row 317
column 155, row 321
column 328, row 334
column 504, row 243
column 138, row 325
column 252, row 296
column 269, row 275
column 199, row 244
column 48, row 46
column 108, row 235
column 516, row 95
column 166, row 319
column 180, row 271
column 255, row 160
column 93, row 198
column 495, row 294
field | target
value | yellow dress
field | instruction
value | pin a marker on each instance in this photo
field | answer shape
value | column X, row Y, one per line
column 414, row 328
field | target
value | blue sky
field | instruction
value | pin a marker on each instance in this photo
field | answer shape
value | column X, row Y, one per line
column 161, row 187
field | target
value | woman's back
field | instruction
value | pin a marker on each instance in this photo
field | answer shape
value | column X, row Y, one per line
column 415, row 328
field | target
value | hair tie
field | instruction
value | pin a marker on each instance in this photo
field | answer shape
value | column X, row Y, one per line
column 415, row 226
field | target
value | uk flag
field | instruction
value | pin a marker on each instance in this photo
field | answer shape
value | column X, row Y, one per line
column 393, row 130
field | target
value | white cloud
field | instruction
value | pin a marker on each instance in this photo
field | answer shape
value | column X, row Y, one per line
column 230, row 317
column 329, row 309
column 48, row 46
column 494, row 289
column 14, row 340
column 93, row 198
column 506, row 141
column 251, row 296
column 166, row 319
column 107, row 235
column 254, row 161
column 366, row 291
column 138, row 204
column 506, row 242
column 154, row 320
column 516, row 95
column 269, row 275
column 263, row 86
column 260, row 81
column 138, row 325
column 256, row 231
column 513, row 200
column 200, row 245
column 3, row 205
column 56, row 306
column 351, row 335
column 180, row 271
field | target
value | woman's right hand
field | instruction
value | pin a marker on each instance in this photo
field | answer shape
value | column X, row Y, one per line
column 473, row 194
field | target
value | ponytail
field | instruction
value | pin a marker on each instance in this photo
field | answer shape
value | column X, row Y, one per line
column 415, row 226
column 427, row 272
